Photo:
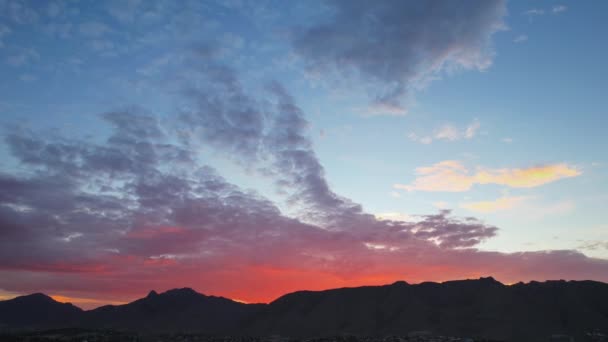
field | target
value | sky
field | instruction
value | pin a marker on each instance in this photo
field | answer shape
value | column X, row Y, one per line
column 253, row 148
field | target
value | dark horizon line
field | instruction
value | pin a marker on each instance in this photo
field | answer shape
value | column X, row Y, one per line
column 152, row 293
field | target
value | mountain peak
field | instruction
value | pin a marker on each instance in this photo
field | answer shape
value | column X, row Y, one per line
column 400, row 283
column 39, row 295
column 152, row 294
column 183, row 291
column 489, row 280
column 36, row 297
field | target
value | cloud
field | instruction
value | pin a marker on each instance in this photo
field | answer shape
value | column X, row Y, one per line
column 55, row 8
column 383, row 108
column 28, row 77
column 4, row 31
column 423, row 140
column 92, row 212
column 471, row 129
column 399, row 46
column 594, row 245
column 22, row 57
column 558, row 9
column 395, row 194
column 94, row 29
column 395, row 216
column 534, row 12
column 123, row 11
column 448, row 132
column 452, row 176
column 270, row 136
column 521, row 38
column 19, row 12
column 101, row 45
column 500, row 204
column 102, row 218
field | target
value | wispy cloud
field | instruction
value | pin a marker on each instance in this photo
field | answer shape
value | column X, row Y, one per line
column 521, row 38
column 23, row 57
column 452, row 176
column 534, row 12
column 4, row 30
column 593, row 245
column 472, row 129
column 94, row 29
column 28, row 78
column 448, row 132
column 389, row 109
column 559, row 9
column 395, row 216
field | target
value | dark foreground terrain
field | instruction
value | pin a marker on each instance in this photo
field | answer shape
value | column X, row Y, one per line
column 79, row 335
column 482, row 309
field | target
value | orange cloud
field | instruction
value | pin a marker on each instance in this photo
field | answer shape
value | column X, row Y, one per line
column 452, row 176
column 526, row 178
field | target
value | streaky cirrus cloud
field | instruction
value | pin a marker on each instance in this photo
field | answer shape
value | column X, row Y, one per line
column 269, row 135
column 594, row 245
column 399, row 46
column 534, row 12
column 448, row 132
column 558, row 9
column 520, row 39
column 453, row 176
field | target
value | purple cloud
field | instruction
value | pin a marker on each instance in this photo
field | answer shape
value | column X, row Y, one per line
column 398, row 46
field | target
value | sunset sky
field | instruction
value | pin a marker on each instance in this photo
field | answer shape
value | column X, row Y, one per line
column 252, row 148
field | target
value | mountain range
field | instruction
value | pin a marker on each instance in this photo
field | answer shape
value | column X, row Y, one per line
column 476, row 308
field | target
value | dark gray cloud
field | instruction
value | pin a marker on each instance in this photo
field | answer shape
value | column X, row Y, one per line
column 398, row 45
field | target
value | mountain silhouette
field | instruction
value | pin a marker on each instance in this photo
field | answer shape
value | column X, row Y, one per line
column 477, row 308
column 37, row 311
column 482, row 308
column 182, row 310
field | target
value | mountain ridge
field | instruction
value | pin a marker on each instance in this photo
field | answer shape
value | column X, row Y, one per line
column 472, row 307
